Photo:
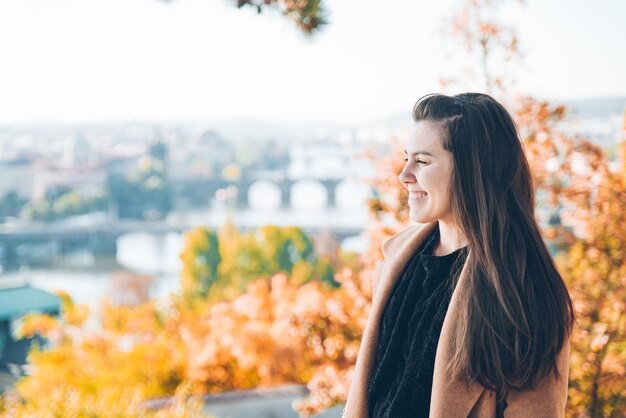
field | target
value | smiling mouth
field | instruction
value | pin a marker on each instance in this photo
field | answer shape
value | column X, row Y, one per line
column 417, row 196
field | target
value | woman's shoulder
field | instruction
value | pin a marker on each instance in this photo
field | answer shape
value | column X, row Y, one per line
column 394, row 242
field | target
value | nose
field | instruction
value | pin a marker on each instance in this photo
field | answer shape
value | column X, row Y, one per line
column 406, row 176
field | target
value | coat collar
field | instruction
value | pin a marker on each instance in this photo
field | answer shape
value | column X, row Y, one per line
column 450, row 398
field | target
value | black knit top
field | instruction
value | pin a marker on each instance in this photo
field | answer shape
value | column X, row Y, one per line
column 410, row 327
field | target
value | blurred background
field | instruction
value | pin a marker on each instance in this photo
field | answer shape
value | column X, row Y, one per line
column 193, row 193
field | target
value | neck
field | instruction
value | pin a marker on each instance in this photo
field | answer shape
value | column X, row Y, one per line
column 451, row 238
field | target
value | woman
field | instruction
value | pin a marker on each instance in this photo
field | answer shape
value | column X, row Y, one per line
column 470, row 317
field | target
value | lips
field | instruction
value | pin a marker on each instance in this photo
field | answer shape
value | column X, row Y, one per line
column 413, row 196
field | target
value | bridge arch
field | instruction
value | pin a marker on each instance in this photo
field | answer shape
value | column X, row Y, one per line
column 352, row 193
column 264, row 195
column 308, row 195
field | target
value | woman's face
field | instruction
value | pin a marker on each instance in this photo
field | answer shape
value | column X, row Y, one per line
column 426, row 174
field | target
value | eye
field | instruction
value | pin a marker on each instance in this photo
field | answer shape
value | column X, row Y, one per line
column 418, row 161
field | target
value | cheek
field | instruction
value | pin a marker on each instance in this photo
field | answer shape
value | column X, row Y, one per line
column 430, row 180
column 435, row 182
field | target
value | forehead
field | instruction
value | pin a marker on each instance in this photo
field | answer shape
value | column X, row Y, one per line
column 425, row 136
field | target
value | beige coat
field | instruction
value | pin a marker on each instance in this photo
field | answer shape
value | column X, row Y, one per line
column 450, row 398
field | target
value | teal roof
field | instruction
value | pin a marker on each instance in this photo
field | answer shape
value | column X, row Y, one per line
column 18, row 301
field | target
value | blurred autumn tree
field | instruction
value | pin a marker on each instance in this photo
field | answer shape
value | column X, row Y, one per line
column 487, row 51
column 275, row 332
column 201, row 260
column 594, row 265
column 308, row 15
column 107, row 372
column 219, row 267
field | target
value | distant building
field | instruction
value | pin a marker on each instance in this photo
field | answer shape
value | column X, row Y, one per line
column 158, row 151
column 76, row 152
column 16, row 300
column 203, row 160
column 86, row 181
column 17, row 176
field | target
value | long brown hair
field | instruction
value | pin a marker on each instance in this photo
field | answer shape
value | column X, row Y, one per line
column 516, row 312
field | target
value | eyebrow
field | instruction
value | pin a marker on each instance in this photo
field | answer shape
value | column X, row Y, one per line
column 420, row 152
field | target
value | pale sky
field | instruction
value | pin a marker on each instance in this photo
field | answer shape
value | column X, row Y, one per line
column 104, row 60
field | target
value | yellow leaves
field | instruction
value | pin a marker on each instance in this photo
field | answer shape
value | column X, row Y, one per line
column 595, row 270
column 276, row 333
column 599, row 342
column 614, row 365
column 219, row 268
column 301, row 273
column 136, row 320
column 328, row 386
column 72, row 314
column 45, row 325
column 599, row 337
column 182, row 406
column 77, row 315
column 107, row 372
column 308, row 299
column 201, row 258
column 67, row 402
column 333, row 345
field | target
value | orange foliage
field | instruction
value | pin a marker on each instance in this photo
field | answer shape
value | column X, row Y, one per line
column 278, row 333
column 595, row 268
